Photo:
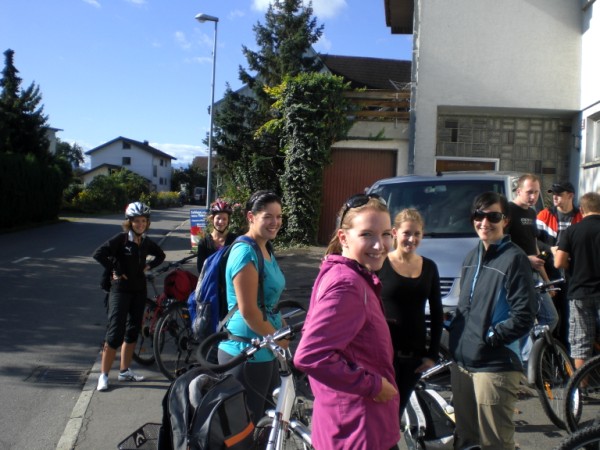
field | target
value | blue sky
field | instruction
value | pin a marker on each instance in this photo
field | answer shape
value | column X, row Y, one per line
column 142, row 68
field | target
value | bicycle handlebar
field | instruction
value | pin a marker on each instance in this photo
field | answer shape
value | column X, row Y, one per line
column 544, row 286
column 255, row 345
column 154, row 273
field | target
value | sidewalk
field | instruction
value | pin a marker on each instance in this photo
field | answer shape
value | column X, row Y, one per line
column 101, row 420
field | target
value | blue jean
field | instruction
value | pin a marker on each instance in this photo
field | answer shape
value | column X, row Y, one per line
column 546, row 315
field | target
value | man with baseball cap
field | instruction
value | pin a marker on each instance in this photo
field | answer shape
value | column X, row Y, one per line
column 552, row 222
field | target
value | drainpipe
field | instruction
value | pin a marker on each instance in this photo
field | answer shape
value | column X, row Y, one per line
column 413, row 87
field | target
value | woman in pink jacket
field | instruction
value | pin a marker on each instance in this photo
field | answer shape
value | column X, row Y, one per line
column 346, row 348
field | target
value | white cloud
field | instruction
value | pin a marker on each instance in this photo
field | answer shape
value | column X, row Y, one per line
column 321, row 8
column 236, row 13
column 323, row 45
column 182, row 40
column 95, row 3
column 199, row 60
column 185, row 153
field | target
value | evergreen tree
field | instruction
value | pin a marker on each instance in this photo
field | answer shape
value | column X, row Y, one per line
column 22, row 121
column 71, row 153
column 284, row 46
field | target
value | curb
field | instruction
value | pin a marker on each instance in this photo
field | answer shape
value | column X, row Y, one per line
column 69, row 437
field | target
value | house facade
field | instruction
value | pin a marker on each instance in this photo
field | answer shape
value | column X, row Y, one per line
column 508, row 85
column 138, row 157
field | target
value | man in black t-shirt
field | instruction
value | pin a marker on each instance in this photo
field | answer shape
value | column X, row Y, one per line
column 579, row 253
column 523, row 232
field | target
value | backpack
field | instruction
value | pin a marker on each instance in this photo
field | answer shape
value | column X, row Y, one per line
column 204, row 411
column 179, row 283
column 208, row 303
column 429, row 420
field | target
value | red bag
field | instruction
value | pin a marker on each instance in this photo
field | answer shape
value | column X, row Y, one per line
column 179, row 284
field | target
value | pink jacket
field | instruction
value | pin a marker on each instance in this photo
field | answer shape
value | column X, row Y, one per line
column 346, row 349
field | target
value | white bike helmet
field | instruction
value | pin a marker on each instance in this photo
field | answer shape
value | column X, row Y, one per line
column 137, row 209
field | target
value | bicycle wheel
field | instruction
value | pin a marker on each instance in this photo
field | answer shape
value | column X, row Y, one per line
column 174, row 342
column 144, row 348
column 553, row 369
column 290, row 440
column 588, row 438
column 582, row 403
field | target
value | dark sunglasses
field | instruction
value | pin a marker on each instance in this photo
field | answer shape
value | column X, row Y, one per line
column 493, row 217
column 356, row 201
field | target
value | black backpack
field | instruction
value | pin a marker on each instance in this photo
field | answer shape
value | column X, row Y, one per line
column 204, row 411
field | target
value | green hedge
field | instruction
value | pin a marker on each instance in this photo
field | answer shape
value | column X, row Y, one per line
column 30, row 191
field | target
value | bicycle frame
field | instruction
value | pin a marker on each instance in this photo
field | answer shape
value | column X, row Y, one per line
column 286, row 399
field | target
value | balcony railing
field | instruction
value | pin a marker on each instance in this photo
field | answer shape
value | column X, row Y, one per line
column 380, row 105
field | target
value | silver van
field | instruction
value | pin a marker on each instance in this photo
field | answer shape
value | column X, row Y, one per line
column 445, row 203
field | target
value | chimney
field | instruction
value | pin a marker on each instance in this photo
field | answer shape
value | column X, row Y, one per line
column 145, row 142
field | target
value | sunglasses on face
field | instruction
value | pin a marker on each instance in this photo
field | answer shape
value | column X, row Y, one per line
column 493, row 217
column 356, row 201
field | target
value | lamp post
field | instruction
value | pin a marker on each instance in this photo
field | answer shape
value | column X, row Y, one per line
column 206, row 18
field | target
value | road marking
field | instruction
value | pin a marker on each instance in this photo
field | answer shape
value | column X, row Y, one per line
column 25, row 258
column 48, row 250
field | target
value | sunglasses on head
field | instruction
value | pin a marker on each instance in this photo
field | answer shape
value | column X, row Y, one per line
column 493, row 217
column 356, row 201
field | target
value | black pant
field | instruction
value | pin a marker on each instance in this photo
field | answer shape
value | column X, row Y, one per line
column 406, row 378
column 259, row 379
column 125, row 315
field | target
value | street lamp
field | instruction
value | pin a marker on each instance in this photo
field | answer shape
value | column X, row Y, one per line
column 206, row 18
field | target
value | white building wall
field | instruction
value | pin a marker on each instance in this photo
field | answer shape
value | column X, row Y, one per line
column 142, row 163
column 505, row 55
column 589, row 125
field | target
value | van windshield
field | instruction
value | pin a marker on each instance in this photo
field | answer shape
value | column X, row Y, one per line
column 444, row 204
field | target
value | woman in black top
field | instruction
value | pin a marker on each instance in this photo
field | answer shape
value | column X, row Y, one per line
column 409, row 281
column 219, row 218
column 124, row 260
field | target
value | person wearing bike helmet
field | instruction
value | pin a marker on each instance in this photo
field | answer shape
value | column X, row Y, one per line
column 219, row 216
column 124, row 258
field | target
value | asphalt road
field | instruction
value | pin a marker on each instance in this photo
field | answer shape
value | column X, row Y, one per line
column 52, row 322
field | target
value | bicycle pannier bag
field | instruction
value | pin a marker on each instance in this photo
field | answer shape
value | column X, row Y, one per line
column 179, row 283
column 204, row 411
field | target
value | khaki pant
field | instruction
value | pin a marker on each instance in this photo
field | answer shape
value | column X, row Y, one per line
column 484, row 404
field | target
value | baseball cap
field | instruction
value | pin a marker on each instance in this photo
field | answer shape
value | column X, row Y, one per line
column 559, row 188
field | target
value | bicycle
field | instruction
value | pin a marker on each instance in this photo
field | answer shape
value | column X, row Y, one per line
column 582, row 439
column 550, row 366
column 288, row 425
column 144, row 349
column 582, row 400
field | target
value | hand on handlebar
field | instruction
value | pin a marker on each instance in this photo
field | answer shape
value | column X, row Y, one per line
column 388, row 391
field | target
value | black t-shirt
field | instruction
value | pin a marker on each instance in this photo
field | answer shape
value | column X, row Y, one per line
column 522, row 228
column 582, row 242
column 404, row 301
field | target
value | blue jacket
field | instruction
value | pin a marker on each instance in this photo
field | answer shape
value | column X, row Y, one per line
column 496, row 292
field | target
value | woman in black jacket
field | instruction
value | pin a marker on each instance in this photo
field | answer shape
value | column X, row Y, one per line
column 124, row 258
column 496, row 308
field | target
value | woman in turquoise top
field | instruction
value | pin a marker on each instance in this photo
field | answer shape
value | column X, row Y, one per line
column 260, row 374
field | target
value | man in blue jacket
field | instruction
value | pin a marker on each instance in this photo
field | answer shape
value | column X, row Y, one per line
column 496, row 308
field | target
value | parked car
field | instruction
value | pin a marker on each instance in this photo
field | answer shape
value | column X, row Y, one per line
column 199, row 196
column 445, row 203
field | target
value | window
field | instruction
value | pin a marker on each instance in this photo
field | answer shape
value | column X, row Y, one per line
column 126, row 161
column 126, row 145
column 154, row 171
column 452, row 125
column 162, row 162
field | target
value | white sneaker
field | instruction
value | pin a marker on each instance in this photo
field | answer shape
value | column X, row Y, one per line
column 129, row 375
column 102, row 382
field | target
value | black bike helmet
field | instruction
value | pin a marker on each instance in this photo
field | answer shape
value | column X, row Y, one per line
column 137, row 209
